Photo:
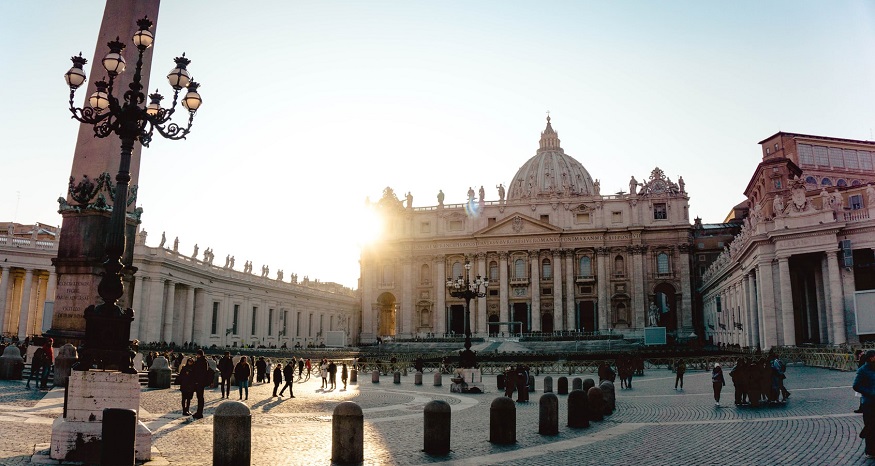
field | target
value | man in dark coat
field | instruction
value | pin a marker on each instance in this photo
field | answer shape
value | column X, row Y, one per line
column 226, row 368
column 289, row 376
column 260, row 369
column 202, row 377
column 332, row 374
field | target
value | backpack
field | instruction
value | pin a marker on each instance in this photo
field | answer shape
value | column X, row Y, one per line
column 39, row 358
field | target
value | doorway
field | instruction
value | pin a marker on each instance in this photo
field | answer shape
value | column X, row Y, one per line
column 521, row 314
column 587, row 319
column 457, row 319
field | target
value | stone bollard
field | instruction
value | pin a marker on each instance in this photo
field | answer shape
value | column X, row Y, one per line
column 396, row 377
column 436, row 431
column 595, row 401
column 577, row 383
column 354, row 375
column 587, row 384
column 548, row 384
column 607, row 388
column 232, row 434
column 417, row 378
column 65, row 359
column 562, row 386
column 548, row 419
column 578, row 414
column 159, row 373
column 11, row 363
column 347, row 434
column 437, row 379
column 118, row 433
column 502, row 421
column 531, row 383
column 522, row 392
column 375, row 376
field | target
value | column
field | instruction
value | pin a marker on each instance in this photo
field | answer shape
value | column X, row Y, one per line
column 557, row 290
column 154, row 314
column 685, row 319
column 368, row 286
column 49, row 306
column 755, row 315
column 480, row 328
column 503, row 309
column 203, row 310
column 137, row 306
column 169, row 305
column 837, row 310
column 570, row 305
column 188, row 315
column 604, row 283
column 406, row 318
column 745, row 310
column 440, row 293
column 535, row 311
column 5, row 281
column 639, row 301
column 787, row 302
column 765, row 280
column 24, row 309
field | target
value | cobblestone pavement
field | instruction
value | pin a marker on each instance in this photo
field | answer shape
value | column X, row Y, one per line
column 653, row 424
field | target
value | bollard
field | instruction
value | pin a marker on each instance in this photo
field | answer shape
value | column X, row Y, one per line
column 417, row 378
column 578, row 415
column 587, row 384
column 436, row 431
column 548, row 419
column 522, row 393
column 531, row 383
column 354, row 375
column 548, row 384
column 502, row 421
column 396, row 377
column 118, row 434
column 64, row 361
column 159, row 373
column 347, row 434
column 562, row 388
column 608, row 393
column 11, row 363
column 375, row 376
column 437, row 379
column 232, row 434
column 577, row 383
column 595, row 401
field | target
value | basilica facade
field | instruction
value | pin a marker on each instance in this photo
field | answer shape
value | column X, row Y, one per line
column 557, row 256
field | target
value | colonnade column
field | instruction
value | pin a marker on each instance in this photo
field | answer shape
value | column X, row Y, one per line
column 603, row 288
column 188, row 315
column 745, row 310
column 557, row 290
column 154, row 314
column 570, row 305
column 766, row 288
column 137, row 306
column 367, row 285
column 4, row 294
column 169, row 305
column 788, row 319
column 48, row 311
column 837, row 309
column 24, row 310
column 440, row 293
column 481, row 302
column 755, row 312
column 535, row 312
column 503, row 311
column 202, row 324
column 406, row 317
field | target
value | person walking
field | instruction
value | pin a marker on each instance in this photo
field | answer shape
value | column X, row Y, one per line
column 309, row 368
column 201, row 378
column 277, row 377
column 36, row 367
column 332, row 374
column 343, row 375
column 48, row 360
column 864, row 384
column 680, row 370
column 289, row 374
column 186, row 385
column 300, row 368
column 242, row 372
column 718, row 382
column 226, row 368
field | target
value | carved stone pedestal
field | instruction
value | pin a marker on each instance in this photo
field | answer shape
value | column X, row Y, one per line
column 77, row 436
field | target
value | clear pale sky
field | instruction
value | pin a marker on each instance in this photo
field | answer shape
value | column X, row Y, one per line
column 310, row 107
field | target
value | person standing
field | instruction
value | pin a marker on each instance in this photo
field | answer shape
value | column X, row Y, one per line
column 864, row 384
column 332, row 374
column 300, row 368
column 277, row 377
column 242, row 372
column 186, row 385
column 201, row 375
column 739, row 381
column 860, row 357
column 718, row 382
column 680, row 370
column 309, row 368
column 289, row 374
column 36, row 367
column 343, row 375
column 48, row 360
column 323, row 371
column 260, row 369
column 226, row 368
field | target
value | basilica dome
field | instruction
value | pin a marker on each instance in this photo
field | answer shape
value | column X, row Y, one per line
column 551, row 173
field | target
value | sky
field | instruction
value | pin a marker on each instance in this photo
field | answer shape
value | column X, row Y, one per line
column 312, row 107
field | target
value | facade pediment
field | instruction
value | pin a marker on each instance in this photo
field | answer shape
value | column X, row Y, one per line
column 518, row 224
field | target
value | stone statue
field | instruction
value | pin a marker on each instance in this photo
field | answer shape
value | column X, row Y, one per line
column 653, row 315
column 232, row 262
column 870, row 195
column 176, row 244
column 279, row 274
column 825, row 199
column 194, row 254
column 482, row 194
column 500, row 192
column 227, row 260
column 633, row 186
column 163, row 240
column 409, row 200
column 681, row 183
column 778, row 206
column 440, row 197
column 470, row 194
column 838, row 202
column 597, row 187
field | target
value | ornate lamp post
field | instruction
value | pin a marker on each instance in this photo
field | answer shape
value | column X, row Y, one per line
column 463, row 287
column 108, row 326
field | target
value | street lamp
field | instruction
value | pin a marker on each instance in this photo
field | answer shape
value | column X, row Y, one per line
column 466, row 289
column 108, row 326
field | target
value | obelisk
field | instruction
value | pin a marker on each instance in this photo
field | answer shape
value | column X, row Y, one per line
column 86, row 208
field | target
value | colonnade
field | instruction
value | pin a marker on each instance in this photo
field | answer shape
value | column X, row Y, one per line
column 26, row 297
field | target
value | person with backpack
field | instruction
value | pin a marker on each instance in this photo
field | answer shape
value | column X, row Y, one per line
column 680, row 370
column 718, row 382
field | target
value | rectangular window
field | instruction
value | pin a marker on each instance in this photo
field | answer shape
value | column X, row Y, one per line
column 719, row 304
column 254, row 314
column 806, row 155
column 490, row 221
column 820, row 156
column 285, row 322
column 215, row 322
column 856, row 202
column 585, row 290
column 298, row 325
column 835, row 158
column 425, row 227
column 778, row 183
column 865, row 159
column 545, row 218
column 583, row 218
column 269, row 322
column 493, row 292
column 456, row 225
column 660, row 212
column 236, row 319
column 547, row 291
column 547, row 270
column 617, row 217
column 851, row 160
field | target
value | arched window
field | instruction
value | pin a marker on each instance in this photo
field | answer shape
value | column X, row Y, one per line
column 425, row 274
column 546, row 269
column 519, row 268
column 841, row 183
column 457, row 270
column 811, row 180
column 585, row 266
column 619, row 266
column 826, row 182
column 493, row 271
column 662, row 263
